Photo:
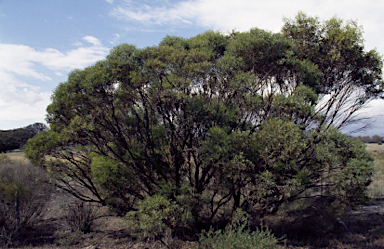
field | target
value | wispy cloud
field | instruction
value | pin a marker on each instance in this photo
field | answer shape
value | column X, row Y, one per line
column 109, row 1
column 178, row 14
column 226, row 15
column 92, row 40
column 115, row 39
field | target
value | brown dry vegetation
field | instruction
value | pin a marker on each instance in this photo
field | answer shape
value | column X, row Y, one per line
column 365, row 225
column 16, row 155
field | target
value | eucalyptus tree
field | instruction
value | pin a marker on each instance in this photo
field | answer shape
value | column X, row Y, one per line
column 208, row 125
column 349, row 76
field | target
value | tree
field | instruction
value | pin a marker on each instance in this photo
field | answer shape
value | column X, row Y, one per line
column 349, row 76
column 208, row 124
column 16, row 138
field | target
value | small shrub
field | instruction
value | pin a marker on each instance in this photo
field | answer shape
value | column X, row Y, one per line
column 157, row 217
column 67, row 239
column 236, row 235
column 380, row 143
column 24, row 194
column 80, row 216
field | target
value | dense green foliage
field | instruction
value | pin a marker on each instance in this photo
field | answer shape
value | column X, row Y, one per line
column 188, row 131
column 15, row 139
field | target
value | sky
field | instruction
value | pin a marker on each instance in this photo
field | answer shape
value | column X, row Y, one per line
column 41, row 41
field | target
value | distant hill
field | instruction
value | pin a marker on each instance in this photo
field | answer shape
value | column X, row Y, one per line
column 16, row 138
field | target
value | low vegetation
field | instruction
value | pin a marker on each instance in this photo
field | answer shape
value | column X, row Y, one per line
column 237, row 235
column 24, row 195
column 79, row 217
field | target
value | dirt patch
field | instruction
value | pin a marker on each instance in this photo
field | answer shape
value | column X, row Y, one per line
column 366, row 226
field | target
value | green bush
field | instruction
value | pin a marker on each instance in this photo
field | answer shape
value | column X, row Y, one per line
column 157, row 217
column 238, row 238
column 236, row 235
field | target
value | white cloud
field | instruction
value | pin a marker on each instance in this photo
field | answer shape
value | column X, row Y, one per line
column 19, row 104
column 92, row 40
column 21, row 100
column 18, row 59
column 245, row 14
column 9, row 82
column 109, row 1
column 21, row 60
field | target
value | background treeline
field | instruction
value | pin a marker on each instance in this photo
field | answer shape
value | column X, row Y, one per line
column 368, row 139
column 16, row 138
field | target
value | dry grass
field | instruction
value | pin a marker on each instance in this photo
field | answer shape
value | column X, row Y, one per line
column 374, row 147
column 376, row 189
column 16, row 155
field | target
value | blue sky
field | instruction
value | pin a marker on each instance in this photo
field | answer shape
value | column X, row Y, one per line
column 41, row 41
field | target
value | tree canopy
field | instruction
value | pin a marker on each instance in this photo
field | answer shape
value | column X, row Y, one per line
column 216, row 122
